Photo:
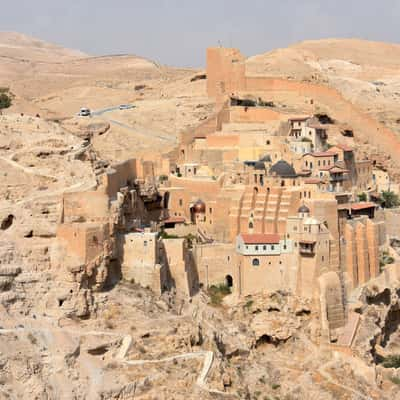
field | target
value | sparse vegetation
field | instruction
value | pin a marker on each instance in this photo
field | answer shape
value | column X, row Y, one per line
column 163, row 178
column 249, row 304
column 5, row 98
column 385, row 258
column 218, row 292
column 392, row 361
column 362, row 196
column 165, row 235
column 390, row 199
column 395, row 380
column 275, row 386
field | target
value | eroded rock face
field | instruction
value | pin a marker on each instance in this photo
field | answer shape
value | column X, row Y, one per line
column 379, row 333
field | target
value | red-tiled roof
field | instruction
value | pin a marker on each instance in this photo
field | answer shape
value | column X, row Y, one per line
column 174, row 220
column 363, row 205
column 260, row 238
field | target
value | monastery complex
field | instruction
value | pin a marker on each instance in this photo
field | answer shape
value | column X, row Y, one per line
column 253, row 198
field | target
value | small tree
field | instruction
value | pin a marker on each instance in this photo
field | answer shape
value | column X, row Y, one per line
column 362, row 196
column 5, row 100
column 390, row 199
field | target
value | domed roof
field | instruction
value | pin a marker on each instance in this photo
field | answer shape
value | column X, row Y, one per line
column 283, row 169
column 266, row 158
column 199, row 206
column 303, row 209
column 259, row 165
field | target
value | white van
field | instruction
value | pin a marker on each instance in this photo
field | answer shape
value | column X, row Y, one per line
column 84, row 112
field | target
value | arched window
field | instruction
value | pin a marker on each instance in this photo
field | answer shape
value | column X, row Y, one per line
column 251, row 226
column 256, row 262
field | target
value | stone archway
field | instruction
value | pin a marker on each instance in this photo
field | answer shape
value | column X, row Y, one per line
column 229, row 281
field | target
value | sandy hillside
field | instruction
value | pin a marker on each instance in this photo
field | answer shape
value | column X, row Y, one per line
column 56, row 82
column 366, row 73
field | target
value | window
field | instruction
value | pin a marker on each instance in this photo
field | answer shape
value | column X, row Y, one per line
column 247, row 247
column 210, row 210
column 264, row 247
column 268, row 142
column 145, row 243
column 180, row 202
column 251, row 225
column 256, row 248
column 272, row 247
column 319, row 163
column 256, row 262
column 280, row 262
column 322, row 258
column 284, row 247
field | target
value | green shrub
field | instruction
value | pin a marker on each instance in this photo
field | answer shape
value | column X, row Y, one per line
column 165, row 235
column 362, row 197
column 163, row 178
column 275, row 386
column 5, row 99
column 218, row 292
column 390, row 199
column 395, row 380
column 385, row 258
column 249, row 304
column 392, row 361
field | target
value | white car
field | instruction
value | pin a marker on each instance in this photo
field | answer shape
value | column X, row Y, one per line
column 84, row 112
column 125, row 106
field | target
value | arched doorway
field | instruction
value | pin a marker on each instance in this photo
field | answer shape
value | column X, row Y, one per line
column 166, row 200
column 229, row 281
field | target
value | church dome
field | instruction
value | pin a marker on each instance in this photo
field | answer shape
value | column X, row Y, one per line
column 283, row 169
column 259, row 165
column 199, row 206
column 303, row 209
column 266, row 158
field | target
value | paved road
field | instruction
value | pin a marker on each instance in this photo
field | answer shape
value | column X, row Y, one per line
column 138, row 130
column 105, row 110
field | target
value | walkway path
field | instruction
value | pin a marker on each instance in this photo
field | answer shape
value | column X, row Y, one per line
column 126, row 343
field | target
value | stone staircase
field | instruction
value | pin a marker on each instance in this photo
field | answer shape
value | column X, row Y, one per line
column 261, row 200
column 271, row 212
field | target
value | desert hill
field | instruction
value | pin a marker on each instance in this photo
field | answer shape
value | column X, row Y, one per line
column 18, row 46
column 366, row 73
column 55, row 83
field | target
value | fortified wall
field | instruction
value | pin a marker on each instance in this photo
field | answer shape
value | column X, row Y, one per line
column 226, row 75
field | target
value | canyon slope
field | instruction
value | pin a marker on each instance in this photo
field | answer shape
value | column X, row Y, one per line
column 134, row 343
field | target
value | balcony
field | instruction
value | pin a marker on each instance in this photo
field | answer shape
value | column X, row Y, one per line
column 339, row 177
column 307, row 247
